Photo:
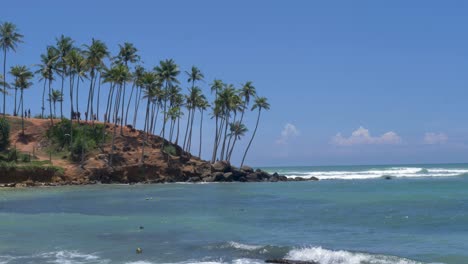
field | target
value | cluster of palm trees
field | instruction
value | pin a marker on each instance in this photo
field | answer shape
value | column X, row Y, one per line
column 129, row 84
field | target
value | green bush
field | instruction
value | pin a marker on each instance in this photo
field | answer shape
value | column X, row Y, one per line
column 171, row 150
column 4, row 134
column 13, row 155
column 84, row 138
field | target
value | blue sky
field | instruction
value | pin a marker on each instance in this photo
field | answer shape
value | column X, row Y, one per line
column 393, row 72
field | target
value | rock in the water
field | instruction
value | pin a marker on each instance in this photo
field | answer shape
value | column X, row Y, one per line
column 228, row 176
column 218, row 176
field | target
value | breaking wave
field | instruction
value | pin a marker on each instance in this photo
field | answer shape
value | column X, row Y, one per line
column 396, row 172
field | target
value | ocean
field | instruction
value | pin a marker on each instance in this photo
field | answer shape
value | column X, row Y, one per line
column 352, row 215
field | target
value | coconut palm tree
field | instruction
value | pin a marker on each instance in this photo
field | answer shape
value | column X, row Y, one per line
column 247, row 91
column 260, row 104
column 202, row 105
column 139, row 70
column 193, row 76
column 54, row 97
column 150, row 83
column 95, row 55
column 120, row 75
column 136, row 76
column 46, row 69
column 23, row 83
column 9, row 39
column 237, row 130
column 127, row 53
column 63, row 45
column 15, row 71
column 216, row 87
column 77, row 70
column 167, row 70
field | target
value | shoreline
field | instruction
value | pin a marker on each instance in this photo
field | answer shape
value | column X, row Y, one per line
column 219, row 172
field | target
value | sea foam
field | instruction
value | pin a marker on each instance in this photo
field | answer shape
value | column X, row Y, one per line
column 397, row 172
column 325, row 256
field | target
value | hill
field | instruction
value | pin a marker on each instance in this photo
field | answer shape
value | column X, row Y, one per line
column 170, row 164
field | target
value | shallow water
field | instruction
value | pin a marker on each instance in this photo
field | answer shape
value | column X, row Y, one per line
column 404, row 220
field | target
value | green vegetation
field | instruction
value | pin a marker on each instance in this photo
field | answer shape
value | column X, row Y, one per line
column 78, row 140
column 159, row 87
column 4, row 134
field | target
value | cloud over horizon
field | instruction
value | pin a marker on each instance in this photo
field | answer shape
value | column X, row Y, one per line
column 432, row 138
column 362, row 136
column 289, row 131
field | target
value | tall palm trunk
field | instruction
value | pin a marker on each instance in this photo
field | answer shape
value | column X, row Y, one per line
column 251, row 139
column 116, row 113
column 4, row 82
column 178, row 126
column 225, row 136
column 22, row 112
column 50, row 99
column 72, row 83
column 90, row 95
column 187, row 128
column 137, row 105
column 14, row 110
column 146, row 128
column 123, row 108
column 98, row 96
column 128, row 105
column 61, row 91
column 201, row 131
column 215, row 147
column 191, row 129
column 166, row 88
column 43, row 98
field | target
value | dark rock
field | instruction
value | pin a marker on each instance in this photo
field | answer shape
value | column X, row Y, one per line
column 218, row 176
column 247, row 169
column 228, row 176
column 388, row 177
column 221, row 166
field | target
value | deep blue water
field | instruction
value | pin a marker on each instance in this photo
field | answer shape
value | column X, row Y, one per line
column 420, row 216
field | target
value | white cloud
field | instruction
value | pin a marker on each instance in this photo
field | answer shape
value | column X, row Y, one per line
column 435, row 138
column 361, row 136
column 289, row 131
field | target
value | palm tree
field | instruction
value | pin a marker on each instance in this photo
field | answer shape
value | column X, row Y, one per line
column 64, row 46
column 94, row 54
column 194, row 75
column 127, row 53
column 136, row 79
column 54, row 97
column 9, row 39
column 238, row 130
column 46, row 68
column 202, row 105
column 77, row 70
column 15, row 71
column 260, row 103
column 23, row 82
column 216, row 87
column 167, row 71
column 247, row 91
column 150, row 83
column 120, row 75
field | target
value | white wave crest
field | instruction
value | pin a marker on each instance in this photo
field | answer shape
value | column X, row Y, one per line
column 325, row 256
column 397, row 172
column 243, row 246
column 59, row 257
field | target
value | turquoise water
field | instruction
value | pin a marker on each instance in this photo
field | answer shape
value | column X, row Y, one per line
column 420, row 216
